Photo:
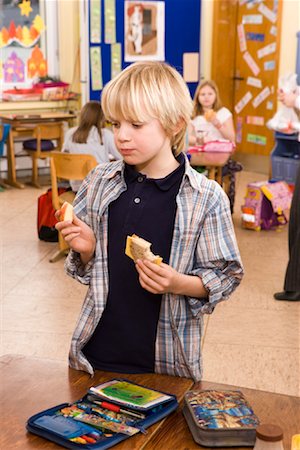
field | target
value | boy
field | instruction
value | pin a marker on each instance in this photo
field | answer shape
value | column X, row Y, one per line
column 148, row 317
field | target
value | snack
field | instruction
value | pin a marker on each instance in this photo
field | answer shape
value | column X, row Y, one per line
column 66, row 212
column 139, row 248
column 209, row 115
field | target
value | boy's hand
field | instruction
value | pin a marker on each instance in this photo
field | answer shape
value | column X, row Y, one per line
column 158, row 278
column 78, row 235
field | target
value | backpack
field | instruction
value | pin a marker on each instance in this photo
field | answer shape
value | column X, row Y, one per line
column 266, row 205
column 45, row 217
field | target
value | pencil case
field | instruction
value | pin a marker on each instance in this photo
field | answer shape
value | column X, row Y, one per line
column 220, row 418
column 106, row 415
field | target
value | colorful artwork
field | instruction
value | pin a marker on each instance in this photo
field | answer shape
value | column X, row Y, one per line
column 37, row 64
column 22, row 35
column 14, row 69
column 256, row 139
column 25, row 8
column 95, row 21
column 144, row 31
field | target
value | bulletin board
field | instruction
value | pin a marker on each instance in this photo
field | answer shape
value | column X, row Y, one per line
column 178, row 37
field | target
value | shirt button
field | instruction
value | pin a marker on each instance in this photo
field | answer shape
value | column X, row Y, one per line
column 137, row 200
column 140, row 179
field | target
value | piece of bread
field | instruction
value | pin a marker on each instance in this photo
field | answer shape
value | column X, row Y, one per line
column 66, row 212
column 139, row 248
column 209, row 115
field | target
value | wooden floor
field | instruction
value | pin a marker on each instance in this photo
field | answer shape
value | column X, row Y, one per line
column 251, row 340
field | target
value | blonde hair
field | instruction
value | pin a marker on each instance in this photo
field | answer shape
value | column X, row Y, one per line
column 90, row 115
column 150, row 90
column 198, row 108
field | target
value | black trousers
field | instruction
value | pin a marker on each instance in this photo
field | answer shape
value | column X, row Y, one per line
column 292, row 276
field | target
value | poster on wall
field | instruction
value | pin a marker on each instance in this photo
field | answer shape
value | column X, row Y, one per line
column 144, row 31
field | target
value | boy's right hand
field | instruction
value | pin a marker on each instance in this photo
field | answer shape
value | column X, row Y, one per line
column 78, row 235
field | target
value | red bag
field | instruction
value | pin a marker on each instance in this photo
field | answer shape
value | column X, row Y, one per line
column 45, row 217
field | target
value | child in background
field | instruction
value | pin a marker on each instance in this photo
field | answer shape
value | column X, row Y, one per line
column 211, row 122
column 90, row 137
column 143, row 317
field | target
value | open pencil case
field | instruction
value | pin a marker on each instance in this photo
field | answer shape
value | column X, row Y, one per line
column 108, row 414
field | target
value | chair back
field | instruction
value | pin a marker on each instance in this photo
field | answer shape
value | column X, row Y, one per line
column 4, row 130
column 69, row 166
column 49, row 131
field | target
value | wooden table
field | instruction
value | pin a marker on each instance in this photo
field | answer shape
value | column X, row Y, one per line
column 213, row 161
column 22, row 126
column 29, row 385
column 282, row 410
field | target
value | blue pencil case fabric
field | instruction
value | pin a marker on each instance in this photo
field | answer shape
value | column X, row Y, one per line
column 103, row 418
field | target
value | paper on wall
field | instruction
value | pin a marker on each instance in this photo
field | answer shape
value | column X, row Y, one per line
column 239, row 129
column 96, row 68
column 267, row 12
column 115, row 59
column 273, row 30
column 241, row 37
column 267, row 50
column 261, row 97
column 243, row 102
column 110, row 21
column 253, row 18
column 256, row 139
column 255, row 37
column 191, row 67
column 255, row 120
column 95, row 21
column 255, row 82
column 251, row 63
column 269, row 105
column 269, row 65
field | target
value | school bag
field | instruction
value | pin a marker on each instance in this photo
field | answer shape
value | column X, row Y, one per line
column 266, row 205
column 46, row 217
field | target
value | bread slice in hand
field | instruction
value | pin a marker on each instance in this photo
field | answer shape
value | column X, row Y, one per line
column 139, row 248
column 66, row 212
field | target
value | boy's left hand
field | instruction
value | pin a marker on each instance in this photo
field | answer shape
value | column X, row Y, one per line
column 158, row 279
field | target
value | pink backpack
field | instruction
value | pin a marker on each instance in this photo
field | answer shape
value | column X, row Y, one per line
column 266, row 205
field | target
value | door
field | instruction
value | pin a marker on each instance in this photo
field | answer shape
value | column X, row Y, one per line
column 248, row 77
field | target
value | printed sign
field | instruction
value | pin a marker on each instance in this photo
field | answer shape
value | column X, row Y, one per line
column 273, row 30
column 239, row 129
column 255, row 120
column 268, row 13
column 255, row 82
column 241, row 36
column 267, row 50
column 269, row 65
column 243, row 102
column 261, row 97
column 269, row 105
column 253, row 18
column 255, row 37
column 256, row 139
column 251, row 63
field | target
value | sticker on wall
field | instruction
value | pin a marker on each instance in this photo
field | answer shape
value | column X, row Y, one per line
column 115, row 59
column 273, row 30
column 239, row 129
column 255, row 82
column 261, row 97
column 14, row 69
column 241, row 37
column 251, row 63
column 144, row 31
column 110, row 21
column 96, row 68
column 253, row 18
column 267, row 50
column 255, row 120
column 255, row 37
column 191, row 67
column 25, row 8
column 95, row 21
column 37, row 64
column 256, row 139
column 269, row 65
column 270, row 105
column 267, row 12
column 243, row 102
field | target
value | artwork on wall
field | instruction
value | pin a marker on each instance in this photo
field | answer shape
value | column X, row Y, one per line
column 144, row 31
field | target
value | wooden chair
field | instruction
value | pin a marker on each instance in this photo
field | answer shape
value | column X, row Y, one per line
column 67, row 166
column 42, row 145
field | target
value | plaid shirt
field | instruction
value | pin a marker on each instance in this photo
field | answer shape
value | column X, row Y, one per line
column 203, row 245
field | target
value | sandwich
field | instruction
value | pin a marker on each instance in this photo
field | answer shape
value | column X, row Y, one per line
column 66, row 212
column 139, row 248
column 209, row 115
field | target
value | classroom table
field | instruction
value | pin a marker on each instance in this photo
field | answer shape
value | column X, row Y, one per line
column 29, row 385
column 22, row 126
column 213, row 161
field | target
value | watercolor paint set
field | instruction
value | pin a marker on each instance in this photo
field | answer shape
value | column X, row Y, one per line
column 108, row 414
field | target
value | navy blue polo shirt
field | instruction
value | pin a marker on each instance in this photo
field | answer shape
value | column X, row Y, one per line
column 124, row 340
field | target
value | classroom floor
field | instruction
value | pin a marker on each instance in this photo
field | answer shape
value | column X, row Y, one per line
column 251, row 340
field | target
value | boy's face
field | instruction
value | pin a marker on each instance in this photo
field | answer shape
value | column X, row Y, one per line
column 141, row 144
